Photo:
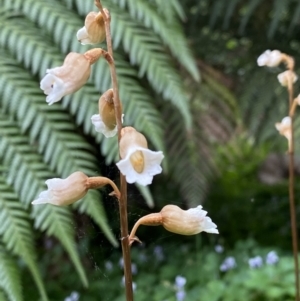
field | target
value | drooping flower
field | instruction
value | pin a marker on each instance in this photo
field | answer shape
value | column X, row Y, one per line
column 287, row 77
column 176, row 220
column 93, row 31
column 105, row 122
column 270, row 58
column 138, row 163
column 229, row 263
column 71, row 76
column 285, row 128
column 62, row 192
column 255, row 262
column 187, row 222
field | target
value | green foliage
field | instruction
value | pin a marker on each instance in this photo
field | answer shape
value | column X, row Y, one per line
column 157, row 267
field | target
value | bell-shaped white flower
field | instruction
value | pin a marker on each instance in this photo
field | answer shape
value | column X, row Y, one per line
column 62, row 192
column 287, row 77
column 102, row 128
column 270, row 58
column 138, row 164
column 93, row 31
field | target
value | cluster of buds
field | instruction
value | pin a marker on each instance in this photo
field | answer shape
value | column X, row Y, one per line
column 286, row 79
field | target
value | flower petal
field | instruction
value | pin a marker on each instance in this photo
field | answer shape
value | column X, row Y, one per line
column 101, row 127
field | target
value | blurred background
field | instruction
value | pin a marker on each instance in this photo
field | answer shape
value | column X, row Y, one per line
column 189, row 81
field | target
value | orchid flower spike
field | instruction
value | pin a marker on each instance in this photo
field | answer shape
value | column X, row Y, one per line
column 176, row 220
column 63, row 192
column 138, row 163
column 105, row 122
column 93, row 31
column 270, row 58
column 285, row 128
column 287, row 77
column 71, row 76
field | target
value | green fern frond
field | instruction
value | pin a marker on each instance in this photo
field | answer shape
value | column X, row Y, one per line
column 280, row 9
column 170, row 32
column 92, row 206
column 17, row 234
column 10, row 279
column 23, row 163
column 65, row 150
column 2, row 296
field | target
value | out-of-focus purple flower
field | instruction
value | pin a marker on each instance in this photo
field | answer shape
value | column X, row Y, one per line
column 159, row 253
column 73, row 297
column 143, row 257
column 108, row 265
column 272, row 258
column 133, row 283
column 121, row 262
column 229, row 263
column 134, row 269
column 255, row 262
column 180, row 282
column 180, row 295
column 219, row 249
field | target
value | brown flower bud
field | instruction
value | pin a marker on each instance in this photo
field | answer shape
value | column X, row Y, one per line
column 93, row 31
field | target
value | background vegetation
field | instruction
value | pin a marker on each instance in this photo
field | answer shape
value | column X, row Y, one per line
column 189, row 81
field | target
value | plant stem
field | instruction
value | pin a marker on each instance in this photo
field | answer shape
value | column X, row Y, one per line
column 292, row 194
column 123, row 184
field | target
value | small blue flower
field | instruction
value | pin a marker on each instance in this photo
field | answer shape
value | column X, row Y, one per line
column 180, row 282
column 180, row 295
column 255, row 262
column 272, row 258
column 228, row 264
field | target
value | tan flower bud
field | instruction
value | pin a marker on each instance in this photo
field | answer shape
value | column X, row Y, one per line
column 138, row 164
column 93, row 31
column 107, row 109
column 105, row 122
column 62, row 192
column 176, row 220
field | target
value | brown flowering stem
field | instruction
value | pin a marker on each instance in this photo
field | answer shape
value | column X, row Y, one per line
column 152, row 219
column 293, row 108
column 123, row 184
column 97, row 182
column 292, row 187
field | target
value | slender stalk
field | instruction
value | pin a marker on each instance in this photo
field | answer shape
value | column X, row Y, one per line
column 123, row 184
column 292, row 193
